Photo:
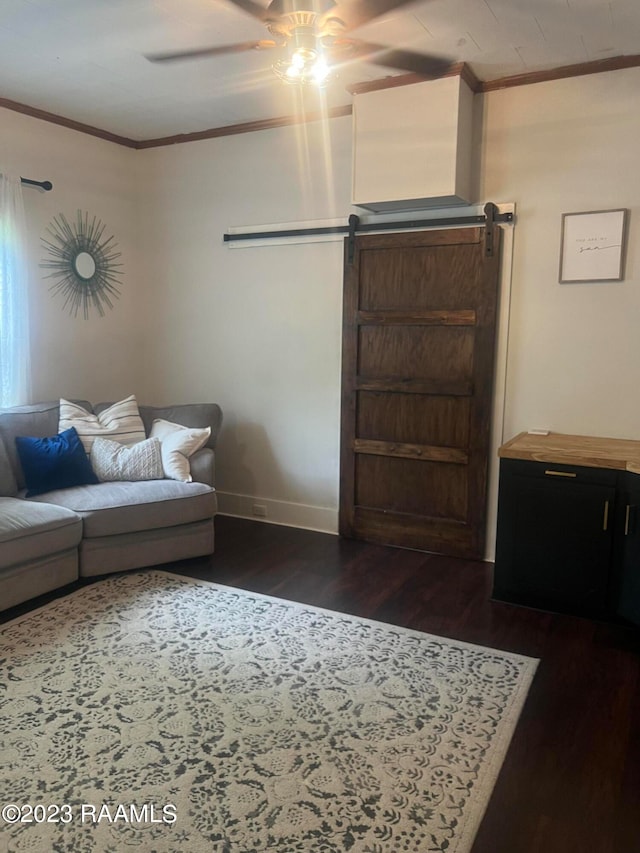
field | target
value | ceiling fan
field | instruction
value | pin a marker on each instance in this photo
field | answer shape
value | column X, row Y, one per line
column 312, row 37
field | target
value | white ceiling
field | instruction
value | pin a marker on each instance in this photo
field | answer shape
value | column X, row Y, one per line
column 84, row 59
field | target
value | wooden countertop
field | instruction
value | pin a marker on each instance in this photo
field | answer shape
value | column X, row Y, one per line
column 590, row 451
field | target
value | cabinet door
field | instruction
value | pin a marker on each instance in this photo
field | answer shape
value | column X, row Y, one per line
column 627, row 604
column 555, row 533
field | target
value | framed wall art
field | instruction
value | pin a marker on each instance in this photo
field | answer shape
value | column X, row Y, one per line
column 593, row 245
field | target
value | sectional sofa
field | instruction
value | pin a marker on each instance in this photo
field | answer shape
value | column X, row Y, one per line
column 49, row 540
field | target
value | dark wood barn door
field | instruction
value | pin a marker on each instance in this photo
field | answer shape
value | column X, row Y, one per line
column 417, row 380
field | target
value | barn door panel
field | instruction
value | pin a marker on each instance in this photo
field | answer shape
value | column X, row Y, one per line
column 418, row 352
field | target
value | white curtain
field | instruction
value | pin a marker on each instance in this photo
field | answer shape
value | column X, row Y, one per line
column 15, row 367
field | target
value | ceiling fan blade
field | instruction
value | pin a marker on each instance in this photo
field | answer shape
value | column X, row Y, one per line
column 358, row 12
column 203, row 52
column 424, row 64
column 251, row 8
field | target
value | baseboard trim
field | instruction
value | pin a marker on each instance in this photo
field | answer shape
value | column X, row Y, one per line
column 320, row 518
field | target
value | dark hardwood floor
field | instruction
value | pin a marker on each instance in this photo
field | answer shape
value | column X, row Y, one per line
column 571, row 779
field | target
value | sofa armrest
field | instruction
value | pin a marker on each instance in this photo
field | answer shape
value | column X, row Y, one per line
column 202, row 465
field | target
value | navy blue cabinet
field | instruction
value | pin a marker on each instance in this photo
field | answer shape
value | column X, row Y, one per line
column 568, row 537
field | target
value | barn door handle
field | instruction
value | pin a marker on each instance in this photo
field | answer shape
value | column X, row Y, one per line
column 354, row 221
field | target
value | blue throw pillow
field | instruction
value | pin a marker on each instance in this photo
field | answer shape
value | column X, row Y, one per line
column 57, row 462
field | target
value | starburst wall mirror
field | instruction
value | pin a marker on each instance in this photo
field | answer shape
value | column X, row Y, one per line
column 84, row 264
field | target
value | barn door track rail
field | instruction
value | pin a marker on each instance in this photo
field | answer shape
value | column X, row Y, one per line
column 489, row 218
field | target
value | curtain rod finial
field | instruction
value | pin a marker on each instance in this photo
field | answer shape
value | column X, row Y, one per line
column 45, row 185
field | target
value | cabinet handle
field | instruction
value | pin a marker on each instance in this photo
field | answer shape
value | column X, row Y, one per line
column 605, row 517
column 560, row 474
column 626, row 519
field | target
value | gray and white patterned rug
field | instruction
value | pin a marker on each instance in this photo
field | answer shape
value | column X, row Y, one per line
column 150, row 712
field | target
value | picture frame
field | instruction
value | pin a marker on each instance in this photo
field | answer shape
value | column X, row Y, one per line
column 593, row 245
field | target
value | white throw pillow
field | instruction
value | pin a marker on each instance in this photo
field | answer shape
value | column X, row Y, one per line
column 121, row 422
column 112, row 461
column 177, row 444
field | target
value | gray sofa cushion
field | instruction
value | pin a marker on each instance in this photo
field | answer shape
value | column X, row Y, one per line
column 198, row 415
column 101, row 555
column 8, row 484
column 27, row 580
column 38, row 420
column 29, row 531
column 108, row 509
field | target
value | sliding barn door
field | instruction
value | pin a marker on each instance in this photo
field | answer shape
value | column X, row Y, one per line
column 417, row 377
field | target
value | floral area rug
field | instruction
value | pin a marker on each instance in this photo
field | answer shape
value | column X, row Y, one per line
column 151, row 712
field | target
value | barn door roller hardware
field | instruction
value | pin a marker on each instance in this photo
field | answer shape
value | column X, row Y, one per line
column 490, row 212
column 489, row 218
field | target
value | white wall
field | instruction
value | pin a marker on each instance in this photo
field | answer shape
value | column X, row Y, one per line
column 256, row 329
column 554, row 148
column 94, row 359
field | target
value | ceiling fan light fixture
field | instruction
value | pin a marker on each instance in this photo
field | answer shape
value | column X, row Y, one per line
column 302, row 67
column 320, row 71
column 302, row 58
column 313, row 36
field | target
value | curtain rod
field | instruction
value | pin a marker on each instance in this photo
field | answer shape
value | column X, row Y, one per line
column 45, row 185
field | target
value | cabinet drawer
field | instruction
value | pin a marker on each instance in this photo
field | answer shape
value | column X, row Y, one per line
column 556, row 472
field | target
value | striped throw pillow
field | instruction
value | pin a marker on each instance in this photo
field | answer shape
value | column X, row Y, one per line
column 120, row 422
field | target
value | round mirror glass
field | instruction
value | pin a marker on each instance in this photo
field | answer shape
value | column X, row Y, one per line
column 84, row 265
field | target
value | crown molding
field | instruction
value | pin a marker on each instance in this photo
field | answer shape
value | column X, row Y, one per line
column 459, row 69
column 52, row 118
column 614, row 63
column 210, row 133
column 580, row 69
column 246, row 127
column 598, row 66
